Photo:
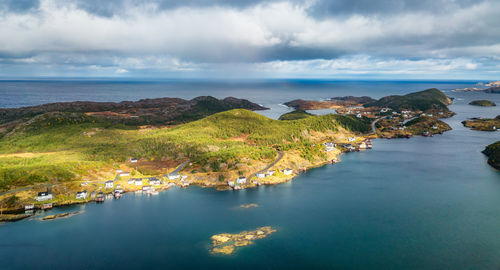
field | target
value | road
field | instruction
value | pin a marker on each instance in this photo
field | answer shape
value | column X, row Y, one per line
column 280, row 156
column 374, row 129
column 409, row 119
column 179, row 168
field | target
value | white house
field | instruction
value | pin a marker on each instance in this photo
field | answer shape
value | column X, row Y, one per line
column 124, row 174
column 154, row 181
column 133, row 160
column 287, row 171
column 131, row 181
column 146, row 188
column 44, row 196
column 359, row 115
column 173, row 176
column 271, row 172
column 138, row 182
column 261, row 175
column 351, row 139
column 329, row 146
column 230, row 183
column 81, row 195
column 109, row 184
column 241, row 180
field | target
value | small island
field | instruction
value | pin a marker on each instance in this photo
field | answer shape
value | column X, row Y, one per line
column 492, row 151
column 483, row 124
column 483, row 103
column 226, row 243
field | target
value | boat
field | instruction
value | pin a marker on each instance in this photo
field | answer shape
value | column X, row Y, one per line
column 117, row 195
column 100, row 197
column 47, row 206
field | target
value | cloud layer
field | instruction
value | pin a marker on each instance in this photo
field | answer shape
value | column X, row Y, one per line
column 310, row 38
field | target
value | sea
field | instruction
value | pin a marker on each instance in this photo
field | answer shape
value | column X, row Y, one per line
column 419, row 203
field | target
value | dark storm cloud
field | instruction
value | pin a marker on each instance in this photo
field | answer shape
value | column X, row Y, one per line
column 18, row 6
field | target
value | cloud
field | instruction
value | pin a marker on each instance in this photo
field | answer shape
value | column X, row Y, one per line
column 199, row 35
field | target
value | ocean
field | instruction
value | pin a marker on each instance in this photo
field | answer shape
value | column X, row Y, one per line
column 419, row 203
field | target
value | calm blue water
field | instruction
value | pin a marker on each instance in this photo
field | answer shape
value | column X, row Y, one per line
column 422, row 203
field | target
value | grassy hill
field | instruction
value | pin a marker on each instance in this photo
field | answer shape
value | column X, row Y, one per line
column 59, row 147
column 426, row 101
column 493, row 153
column 298, row 114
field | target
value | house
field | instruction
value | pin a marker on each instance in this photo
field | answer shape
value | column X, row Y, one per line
column 230, row 183
column 146, row 188
column 124, row 174
column 138, row 182
column 133, row 160
column 363, row 145
column 434, row 127
column 384, row 110
column 173, row 176
column 349, row 146
column 271, row 172
column 118, row 190
column 351, row 139
column 260, row 175
column 241, row 180
column 131, row 181
column 109, row 184
column 43, row 196
column 154, row 181
column 359, row 115
column 82, row 195
column 287, row 171
column 329, row 146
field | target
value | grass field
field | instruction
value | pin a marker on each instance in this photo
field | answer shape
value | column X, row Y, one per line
column 70, row 146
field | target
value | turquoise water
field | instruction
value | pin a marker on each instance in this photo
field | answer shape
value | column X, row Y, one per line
column 420, row 203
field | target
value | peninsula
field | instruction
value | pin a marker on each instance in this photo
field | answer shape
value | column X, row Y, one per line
column 50, row 158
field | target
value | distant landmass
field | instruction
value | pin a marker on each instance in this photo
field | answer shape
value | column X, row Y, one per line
column 142, row 112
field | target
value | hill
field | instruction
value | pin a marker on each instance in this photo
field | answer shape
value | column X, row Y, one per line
column 492, row 151
column 62, row 147
column 298, row 114
column 429, row 101
column 142, row 112
column 482, row 103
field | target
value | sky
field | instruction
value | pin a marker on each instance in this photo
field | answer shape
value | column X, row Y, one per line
column 363, row 39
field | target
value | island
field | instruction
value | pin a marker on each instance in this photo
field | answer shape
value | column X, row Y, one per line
column 482, row 103
column 226, row 243
column 492, row 151
column 483, row 124
column 55, row 155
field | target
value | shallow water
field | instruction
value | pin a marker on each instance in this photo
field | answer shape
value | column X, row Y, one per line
column 420, row 203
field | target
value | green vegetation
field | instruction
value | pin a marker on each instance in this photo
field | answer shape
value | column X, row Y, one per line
column 483, row 103
column 483, row 124
column 493, row 153
column 59, row 147
column 295, row 115
column 426, row 101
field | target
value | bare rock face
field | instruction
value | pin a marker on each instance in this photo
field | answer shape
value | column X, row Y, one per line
column 144, row 111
